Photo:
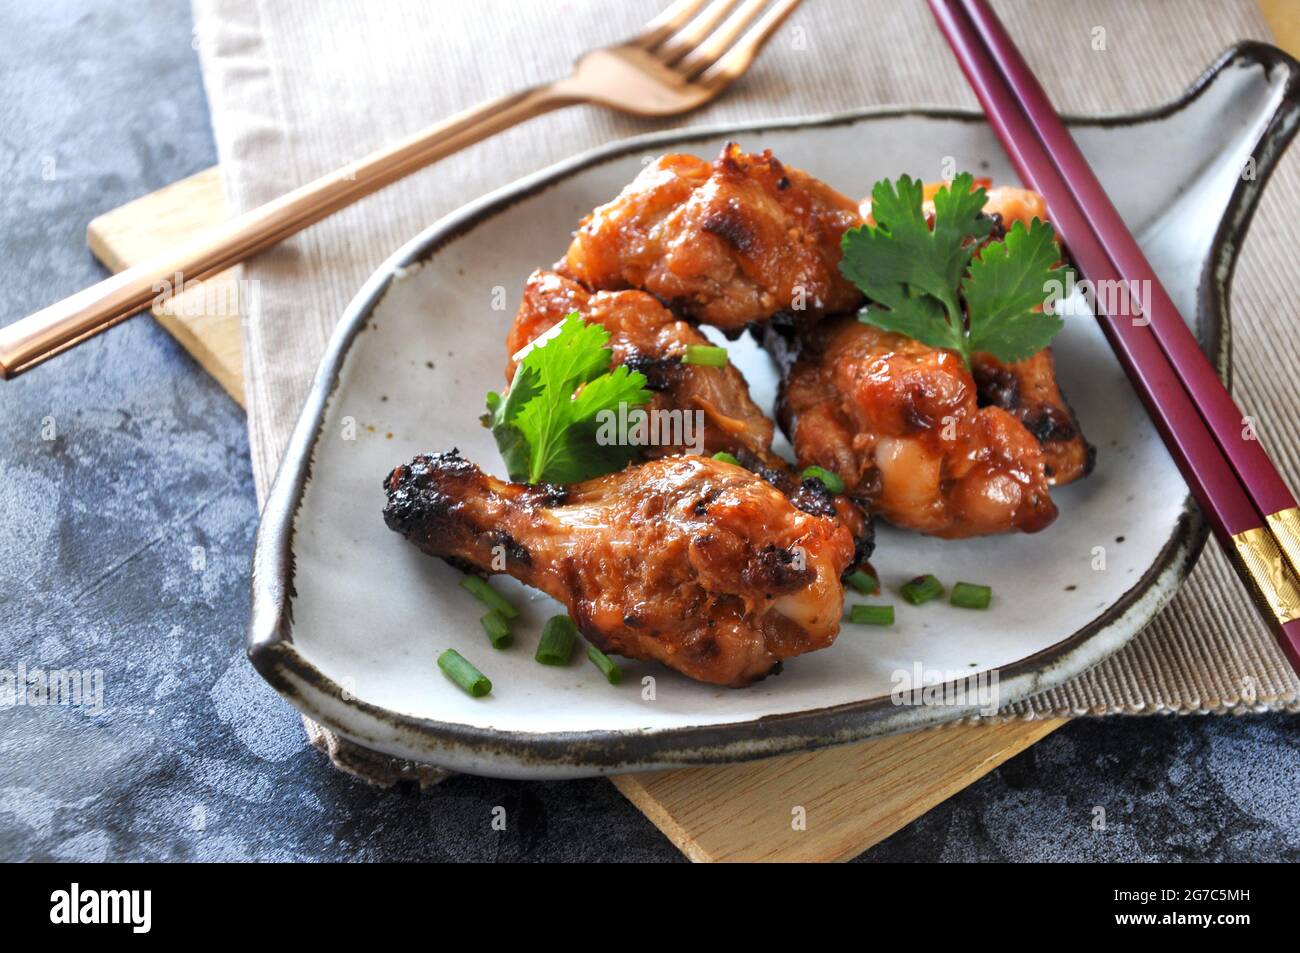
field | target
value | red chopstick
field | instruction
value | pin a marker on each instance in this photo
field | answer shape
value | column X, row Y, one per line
column 1239, row 490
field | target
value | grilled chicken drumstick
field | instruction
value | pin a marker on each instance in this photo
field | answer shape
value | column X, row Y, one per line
column 686, row 560
column 725, row 243
column 646, row 336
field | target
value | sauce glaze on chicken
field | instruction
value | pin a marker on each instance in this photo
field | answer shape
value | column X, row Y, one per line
column 899, row 422
column 646, row 336
column 726, row 243
column 928, row 443
column 695, row 563
column 1029, row 392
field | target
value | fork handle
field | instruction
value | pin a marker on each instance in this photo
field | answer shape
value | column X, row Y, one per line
column 64, row 324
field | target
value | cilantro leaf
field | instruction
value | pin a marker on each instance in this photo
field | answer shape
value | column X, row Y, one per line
column 920, row 280
column 958, row 217
column 916, row 316
column 1003, row 287
column 501, row 416
column 546, row 425
column 910, row 268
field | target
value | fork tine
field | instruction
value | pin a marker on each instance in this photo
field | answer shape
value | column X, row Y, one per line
column 742, row 54
column 662, row 26
column 693, row 34
column 708, row 52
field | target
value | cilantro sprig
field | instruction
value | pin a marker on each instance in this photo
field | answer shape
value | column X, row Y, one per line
column 925, row 283
column 546, row 424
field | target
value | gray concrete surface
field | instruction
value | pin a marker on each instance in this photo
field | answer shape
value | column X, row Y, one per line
column 193, row 757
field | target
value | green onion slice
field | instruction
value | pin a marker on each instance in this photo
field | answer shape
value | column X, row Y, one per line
column 456, row 667
column 706, row 355
column 559, row 635
column 969, row 595
column 613, row 674
column 726, row 458
column 872, row 615
column 863, row 581
column 497, row 628
column 921, row 589
column 831, row 480
column 480, row 590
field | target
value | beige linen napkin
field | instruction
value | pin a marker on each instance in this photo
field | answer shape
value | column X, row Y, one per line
column 298, row 87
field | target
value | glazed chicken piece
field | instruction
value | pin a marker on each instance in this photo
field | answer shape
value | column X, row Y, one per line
column 686, row 560
column 645, row 336
column 726, row 243
column 900, row 423
column 1008, row 204
column 1027, row 389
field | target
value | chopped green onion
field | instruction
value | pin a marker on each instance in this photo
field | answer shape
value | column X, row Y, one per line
column 872, row 615
column 921, row 589
column 558, row 638
column 613, row 674
column 969, row 595
column 726, row 458
column 480, row 590
column 864, row 582
column 831, row 480
column 706, row 355
column 497, row 628
column 459, row 670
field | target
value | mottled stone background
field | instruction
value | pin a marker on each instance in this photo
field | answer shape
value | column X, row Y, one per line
column 194, row 758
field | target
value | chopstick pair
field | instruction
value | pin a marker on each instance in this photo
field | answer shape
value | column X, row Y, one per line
column 1247, row 503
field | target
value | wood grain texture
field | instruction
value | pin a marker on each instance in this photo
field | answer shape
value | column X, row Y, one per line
column 1283, row 18
column 847, row 798
column 205, row 317
column 853, row 796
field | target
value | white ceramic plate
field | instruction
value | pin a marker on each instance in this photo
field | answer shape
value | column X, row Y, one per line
column 349, row 618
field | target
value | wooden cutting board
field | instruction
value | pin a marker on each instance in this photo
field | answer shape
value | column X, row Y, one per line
column 827, row 805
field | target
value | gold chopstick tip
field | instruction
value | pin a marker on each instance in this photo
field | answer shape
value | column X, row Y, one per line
column 1285, row 525
column 1274, row 582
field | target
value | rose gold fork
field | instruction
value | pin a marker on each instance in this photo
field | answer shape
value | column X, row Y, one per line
column 682, row 59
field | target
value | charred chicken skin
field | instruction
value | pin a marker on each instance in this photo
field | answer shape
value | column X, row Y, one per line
column 1028, row 391
column 646, row 336
column 695, row 563
column 900, row 423
column 725, row 243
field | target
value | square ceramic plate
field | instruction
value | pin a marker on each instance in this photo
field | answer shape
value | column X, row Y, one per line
column 349, row 618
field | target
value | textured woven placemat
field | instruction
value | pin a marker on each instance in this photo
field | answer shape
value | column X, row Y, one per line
column 298, row 87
